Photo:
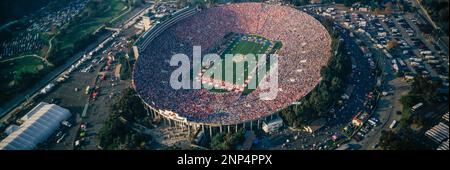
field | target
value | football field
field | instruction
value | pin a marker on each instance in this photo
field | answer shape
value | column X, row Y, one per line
column 241, row 46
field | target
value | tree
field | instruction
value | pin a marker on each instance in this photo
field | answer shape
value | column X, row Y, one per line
column 426, row 88
column 348, row 3
column 403, row 140
column 117, row 134
column 318, row 101
column 391, row 44
column 336, row 83
column 227, row 141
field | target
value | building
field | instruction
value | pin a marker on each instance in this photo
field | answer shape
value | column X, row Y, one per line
column 445, row 117
column 135, row 52
column 144, row 24
column 37, row 125
column 187, row 111
column 272, row 125
column 443, row 145
column 438, row 133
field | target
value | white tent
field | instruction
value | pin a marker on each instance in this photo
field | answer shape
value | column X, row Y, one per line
column 38, row 125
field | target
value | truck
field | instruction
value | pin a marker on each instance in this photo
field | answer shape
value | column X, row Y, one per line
column 426, row 52
column 392, row 126
column 62, row 78
column 433, row 61
column 66, row 123
column 414, row 64
column 429, row 57
column 88, row 90
column 409, row 77
column 416, row 59
column 371, row 122
column 47, row 88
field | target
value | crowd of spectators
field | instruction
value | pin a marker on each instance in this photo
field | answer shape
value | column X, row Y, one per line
column 306, row 47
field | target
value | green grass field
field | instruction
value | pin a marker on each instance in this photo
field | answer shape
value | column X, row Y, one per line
column 11, row 71
column 94, row 16
column 244, row 47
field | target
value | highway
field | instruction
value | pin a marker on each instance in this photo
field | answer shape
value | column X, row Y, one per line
column 22, row 97
column 363, row 80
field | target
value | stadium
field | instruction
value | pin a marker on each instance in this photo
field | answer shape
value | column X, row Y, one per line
column 301, row 42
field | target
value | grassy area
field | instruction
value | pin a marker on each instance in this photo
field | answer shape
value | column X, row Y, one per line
column 246, row 47
column 23, row 65
column 19, row 74
column 14, row 73
column 95, row 15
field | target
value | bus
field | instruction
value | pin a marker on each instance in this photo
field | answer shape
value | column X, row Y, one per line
column 417, row 106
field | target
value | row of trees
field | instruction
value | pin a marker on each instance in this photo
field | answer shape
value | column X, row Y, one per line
column 438, row 10
column 423, row 90
column 126, row 64
column 227, row 141
column 317, row 103
column 404, row 140
column 14, row 83
column 117, row 132
column 63, row 47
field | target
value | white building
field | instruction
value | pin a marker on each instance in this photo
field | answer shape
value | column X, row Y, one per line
column 272, row 125
column 37, row 126
column 144, row 24
column 438, row 133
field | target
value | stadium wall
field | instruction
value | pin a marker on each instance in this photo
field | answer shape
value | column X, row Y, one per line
column 148, row 36
column 173, row 119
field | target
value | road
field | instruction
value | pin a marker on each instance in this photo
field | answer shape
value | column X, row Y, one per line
column 387, row 105
column 426, row 41
column 363, row 81
column 424, row 12
column 22, row 97
column 386, row 111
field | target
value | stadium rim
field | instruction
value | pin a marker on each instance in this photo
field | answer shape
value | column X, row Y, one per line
column 173, row 118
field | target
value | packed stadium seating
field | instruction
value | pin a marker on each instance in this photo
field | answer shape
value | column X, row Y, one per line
column 306, row 48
